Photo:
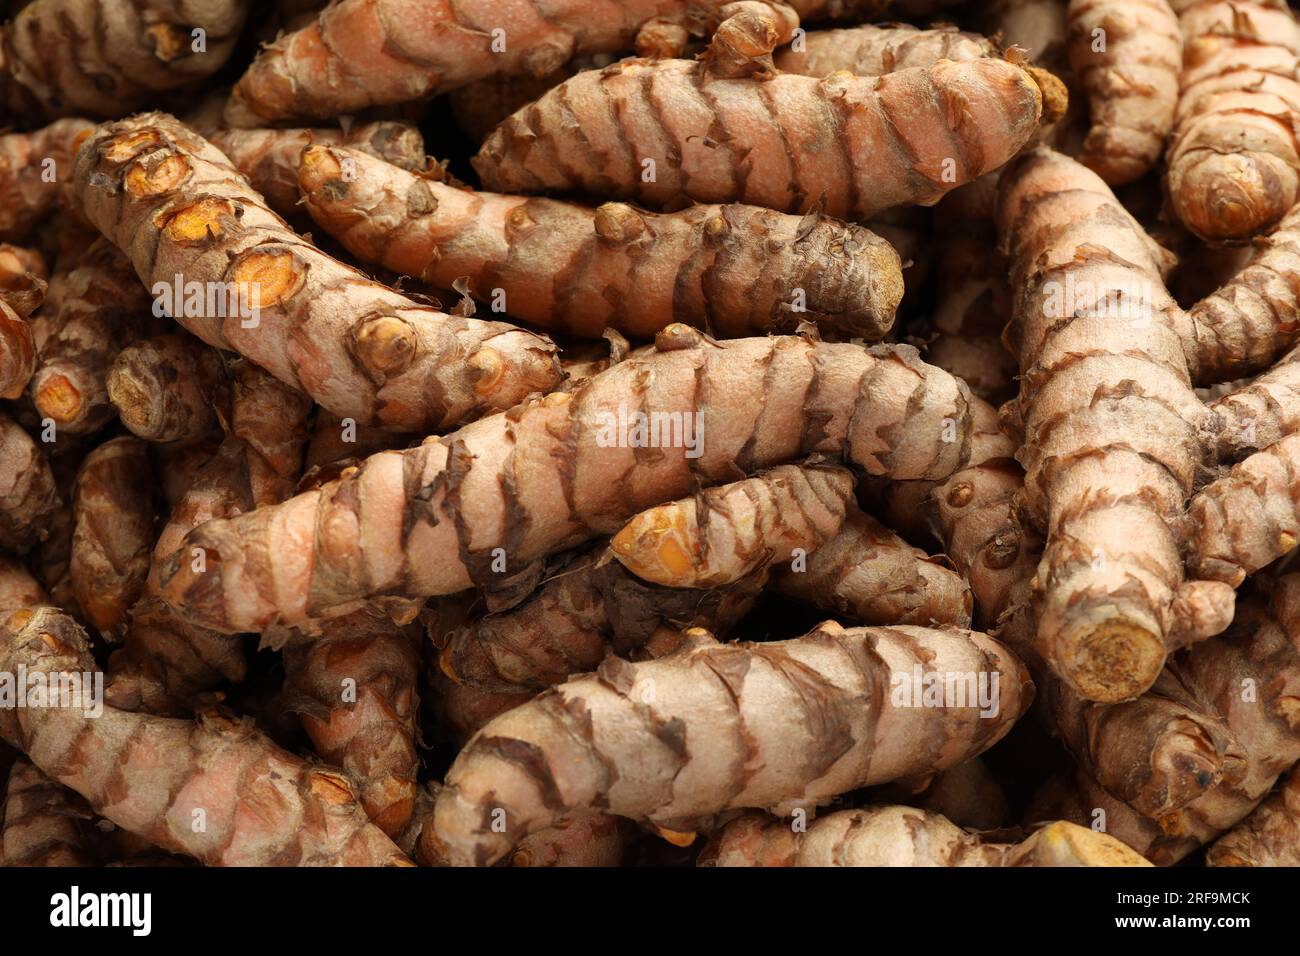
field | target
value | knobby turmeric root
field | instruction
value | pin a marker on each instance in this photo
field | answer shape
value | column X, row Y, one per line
column 1268, row 837
column 169, row 388
column 1157, row 753
column 799, row 522
column 110, row 57
column 22, row 279
column 869, row 575
column 660, row 132
column 1245, row 679
column 45, row 824
column 1114, row 434
column 367, row 52
column 1233, row 164
column 876, row 50
column 29, row 497
column 725, row 533
column 212, row 788
column 167, row 663
column 355, row 687
column 187, row 219
column 973, row 515
column 732, row 270
column 17, row 351
column 515, row 487
column 94, row 312
column 32, row 167
column 114, row 510
column 584, row 609
column 269, row 157
column 715, row 727
column 1248, row 518
column 1128, row 57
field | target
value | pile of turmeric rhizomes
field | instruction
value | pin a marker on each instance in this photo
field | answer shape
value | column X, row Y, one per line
column 359, row 507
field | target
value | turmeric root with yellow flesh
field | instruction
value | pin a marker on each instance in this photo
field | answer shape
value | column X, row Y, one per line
column 727, row 532
column 175, row 205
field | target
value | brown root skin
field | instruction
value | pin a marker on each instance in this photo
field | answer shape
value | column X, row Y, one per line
column 1233, row 167
column 706, row 739
column 269, row 157
column 166, row 663
column 1131, row 81
column 757, row 403
column 114, row 510
column 22, row 290
column 169, row 388
column 28, row 495
column 876, row 50
column 45, row 824
column 870, row 575
column 1247, row 324
column 904, row 836
column 359, row 54
column 1157, row 753
column 214, row 768
column 1248, row 518
column 1259, row 412
column 1261, row 651
column 50, row 558
column 587, row 838
column 744, row 36
column 98, row 309
column 17, row 352
column 177, row 207
column 738, row 270
column 22, row 281
column 32, row 167
column 725, row 533
column 974, row 515
column 583, row 610
column 1111, row 581
column 355, row 687
column 111, row 57
column 698, row 155
column 1270, row 836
